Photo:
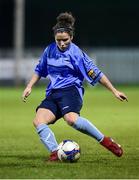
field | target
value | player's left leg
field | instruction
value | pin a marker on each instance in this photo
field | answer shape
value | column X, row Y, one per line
column 83, row 125
column 70, row 105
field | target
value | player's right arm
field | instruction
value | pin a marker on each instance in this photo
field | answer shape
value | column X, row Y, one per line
column 40, row 71
column 35, row 78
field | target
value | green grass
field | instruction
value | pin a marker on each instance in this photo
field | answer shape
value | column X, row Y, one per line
column 23, row 156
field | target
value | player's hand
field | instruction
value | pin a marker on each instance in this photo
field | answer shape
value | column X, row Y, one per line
column 26, row 93
column 120, row 95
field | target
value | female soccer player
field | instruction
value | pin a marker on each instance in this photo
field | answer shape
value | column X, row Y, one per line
column 66, row 66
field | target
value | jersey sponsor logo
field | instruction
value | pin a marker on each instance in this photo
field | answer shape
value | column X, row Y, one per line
column 92, row 74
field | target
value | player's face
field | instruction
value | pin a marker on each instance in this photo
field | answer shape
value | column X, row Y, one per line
column 63, row 39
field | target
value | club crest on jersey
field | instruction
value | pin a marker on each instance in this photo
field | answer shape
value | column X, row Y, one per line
column 92, row 74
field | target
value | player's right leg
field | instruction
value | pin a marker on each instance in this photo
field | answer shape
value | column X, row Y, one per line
column 41, row 121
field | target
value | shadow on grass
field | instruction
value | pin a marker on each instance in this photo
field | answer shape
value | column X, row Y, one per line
column 21, row 161
column 25, row 157
column 27, row 161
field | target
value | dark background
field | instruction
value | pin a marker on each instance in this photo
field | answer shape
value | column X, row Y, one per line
column 99, row 23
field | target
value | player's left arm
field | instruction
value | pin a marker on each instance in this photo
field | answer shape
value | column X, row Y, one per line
column 106, row 82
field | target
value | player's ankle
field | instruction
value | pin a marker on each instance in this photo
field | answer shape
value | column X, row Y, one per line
column 53, row 156
column 105, row 141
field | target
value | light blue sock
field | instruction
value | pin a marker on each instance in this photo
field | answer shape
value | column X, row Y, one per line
column 86, row 127
column 47, row 137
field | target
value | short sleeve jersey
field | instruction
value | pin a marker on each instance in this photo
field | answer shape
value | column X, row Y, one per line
column 67, row 68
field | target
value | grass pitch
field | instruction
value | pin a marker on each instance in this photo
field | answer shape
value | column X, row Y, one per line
column 23, row 156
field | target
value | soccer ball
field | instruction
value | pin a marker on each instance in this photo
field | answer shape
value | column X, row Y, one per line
column 68, row 151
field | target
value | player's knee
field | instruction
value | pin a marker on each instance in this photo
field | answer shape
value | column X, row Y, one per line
column 44, row 116
column 70, row 118
column 36, row 122
column 70, row 121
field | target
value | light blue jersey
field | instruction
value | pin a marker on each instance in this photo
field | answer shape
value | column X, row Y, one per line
column 67, row 68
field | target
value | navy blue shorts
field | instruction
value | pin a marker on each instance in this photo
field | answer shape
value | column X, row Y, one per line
column 62, row 101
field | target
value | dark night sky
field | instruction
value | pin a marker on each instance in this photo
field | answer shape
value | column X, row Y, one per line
column 98, row 22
